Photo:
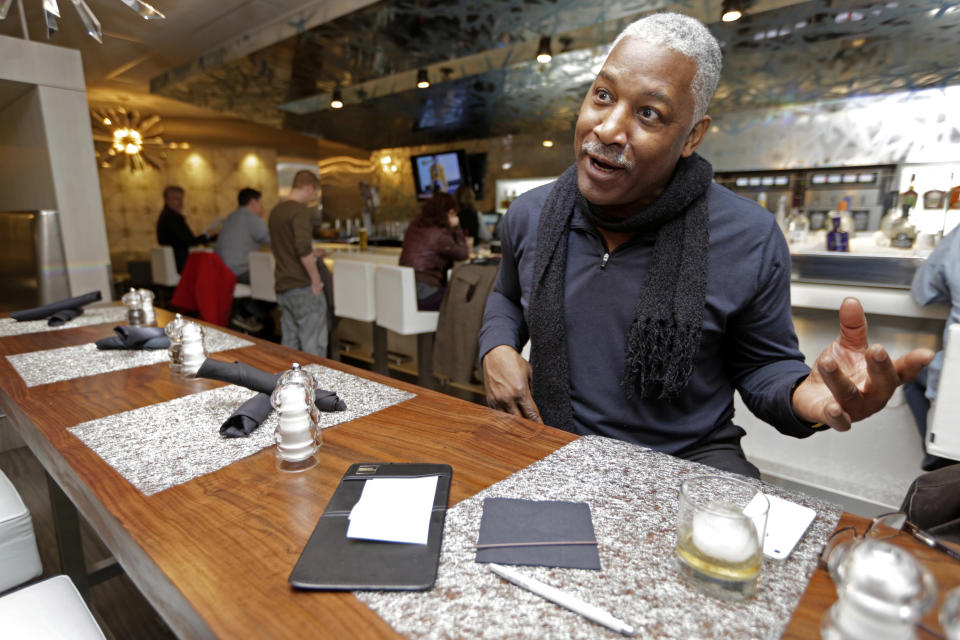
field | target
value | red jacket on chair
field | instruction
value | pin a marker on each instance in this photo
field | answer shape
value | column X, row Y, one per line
column 206, row 285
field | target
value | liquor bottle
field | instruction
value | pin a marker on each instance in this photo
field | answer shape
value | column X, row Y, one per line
column 934, row 198
column 796, row 227
column 903, row 235
column 846, row 220
column 908, row 198
column 837, row 240
column 782, row 213
column 954, row 199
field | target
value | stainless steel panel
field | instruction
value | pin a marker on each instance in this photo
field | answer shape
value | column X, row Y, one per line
column 848, row 268
column 31, row 259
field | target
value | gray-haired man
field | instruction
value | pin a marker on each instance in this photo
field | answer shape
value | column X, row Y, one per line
column 650, row 293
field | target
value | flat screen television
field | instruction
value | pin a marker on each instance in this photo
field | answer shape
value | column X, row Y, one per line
column 442, row 171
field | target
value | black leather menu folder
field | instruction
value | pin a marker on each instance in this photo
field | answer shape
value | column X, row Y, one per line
column 332, row 561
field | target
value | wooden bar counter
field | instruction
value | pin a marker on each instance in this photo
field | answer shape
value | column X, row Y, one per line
column 212, row 555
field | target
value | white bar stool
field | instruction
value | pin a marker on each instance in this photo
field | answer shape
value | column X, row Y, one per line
column 262, row 277
column 353, row 298
column 943, row 430
column 396, row 300
column 163, row 266
column 52, row 610
column 19, row 557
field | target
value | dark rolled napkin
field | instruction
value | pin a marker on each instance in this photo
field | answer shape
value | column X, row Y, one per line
column 248, row 417
column 63, row 316
column 37, row 313
column 135, row 338
column 244, row 375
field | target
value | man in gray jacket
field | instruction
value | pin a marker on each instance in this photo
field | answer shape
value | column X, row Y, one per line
column 243, row 231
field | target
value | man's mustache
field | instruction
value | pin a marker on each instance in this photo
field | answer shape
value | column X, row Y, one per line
column 609, row 153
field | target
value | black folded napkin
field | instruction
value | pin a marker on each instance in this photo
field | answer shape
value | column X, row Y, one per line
column 544, row 533
column 248, row 417
column 37, row 313
column 63, row 316
column 135, row 338
column 244, row 375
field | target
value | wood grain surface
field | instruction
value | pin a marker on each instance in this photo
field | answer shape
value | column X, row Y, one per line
column 213, row 555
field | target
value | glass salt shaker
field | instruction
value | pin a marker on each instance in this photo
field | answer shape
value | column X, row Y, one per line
column 192, row 349
column 882, row 592
column 298, row 435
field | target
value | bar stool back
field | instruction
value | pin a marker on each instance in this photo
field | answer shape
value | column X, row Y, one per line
column 19, row 557
column 353, row 290
column 163, row 266
column 396, row 300
column 943, row 433
column 262, row 277
column 49, row 609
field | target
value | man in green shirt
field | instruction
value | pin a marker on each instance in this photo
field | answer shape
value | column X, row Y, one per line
column 298, row 284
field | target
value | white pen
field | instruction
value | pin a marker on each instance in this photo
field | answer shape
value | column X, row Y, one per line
column 562, row 598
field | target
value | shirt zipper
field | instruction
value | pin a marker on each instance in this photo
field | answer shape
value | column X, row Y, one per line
column 603, row 261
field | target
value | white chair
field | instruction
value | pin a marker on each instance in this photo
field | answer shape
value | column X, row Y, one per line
column 52, row 609
column 262, row 277
column 396, row 300
column 353, row 290
column 163, row 266
column 19, row 557
column 353, row 298
column 943, row 432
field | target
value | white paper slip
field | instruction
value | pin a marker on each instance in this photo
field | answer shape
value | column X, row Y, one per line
column 394, row 510
column 786, row 523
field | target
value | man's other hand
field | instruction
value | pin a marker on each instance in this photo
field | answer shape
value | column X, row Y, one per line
column 317, row 288
column 507, row 378
column 851, row 380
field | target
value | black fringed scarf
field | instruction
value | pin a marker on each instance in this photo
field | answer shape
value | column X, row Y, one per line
column 664, row 337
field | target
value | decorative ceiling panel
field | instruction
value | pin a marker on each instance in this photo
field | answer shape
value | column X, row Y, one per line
column 480, row 55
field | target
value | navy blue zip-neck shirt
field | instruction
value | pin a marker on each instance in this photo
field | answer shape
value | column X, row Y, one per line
column 748, row 341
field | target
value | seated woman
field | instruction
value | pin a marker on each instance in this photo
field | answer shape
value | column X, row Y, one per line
column 470, row 219
column 433, row 241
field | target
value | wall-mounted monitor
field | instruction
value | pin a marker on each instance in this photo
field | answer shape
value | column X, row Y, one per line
column 443, row 171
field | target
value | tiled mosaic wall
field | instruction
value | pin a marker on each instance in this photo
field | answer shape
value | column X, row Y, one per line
column 909, row 126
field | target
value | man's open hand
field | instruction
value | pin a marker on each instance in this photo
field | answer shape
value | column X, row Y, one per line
column 851, row 380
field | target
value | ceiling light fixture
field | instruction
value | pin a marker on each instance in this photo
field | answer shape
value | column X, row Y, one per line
column 547, row 143
column 423, row 81
column 337, row 101
column 732, row 10
column 544, row 54
column 51, row 14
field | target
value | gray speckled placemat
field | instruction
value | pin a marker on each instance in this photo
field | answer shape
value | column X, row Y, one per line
column 104, row 315
column 166, row 444
column 632, row 493
column 66, row 363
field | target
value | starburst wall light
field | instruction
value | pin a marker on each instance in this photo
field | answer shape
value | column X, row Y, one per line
column 126, row 139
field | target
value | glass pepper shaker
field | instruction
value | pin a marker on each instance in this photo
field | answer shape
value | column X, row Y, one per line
column 134, row 304
column 174, row 331
column 149, row 314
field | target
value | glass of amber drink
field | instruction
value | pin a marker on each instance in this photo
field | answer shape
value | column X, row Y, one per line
column 720, row 528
